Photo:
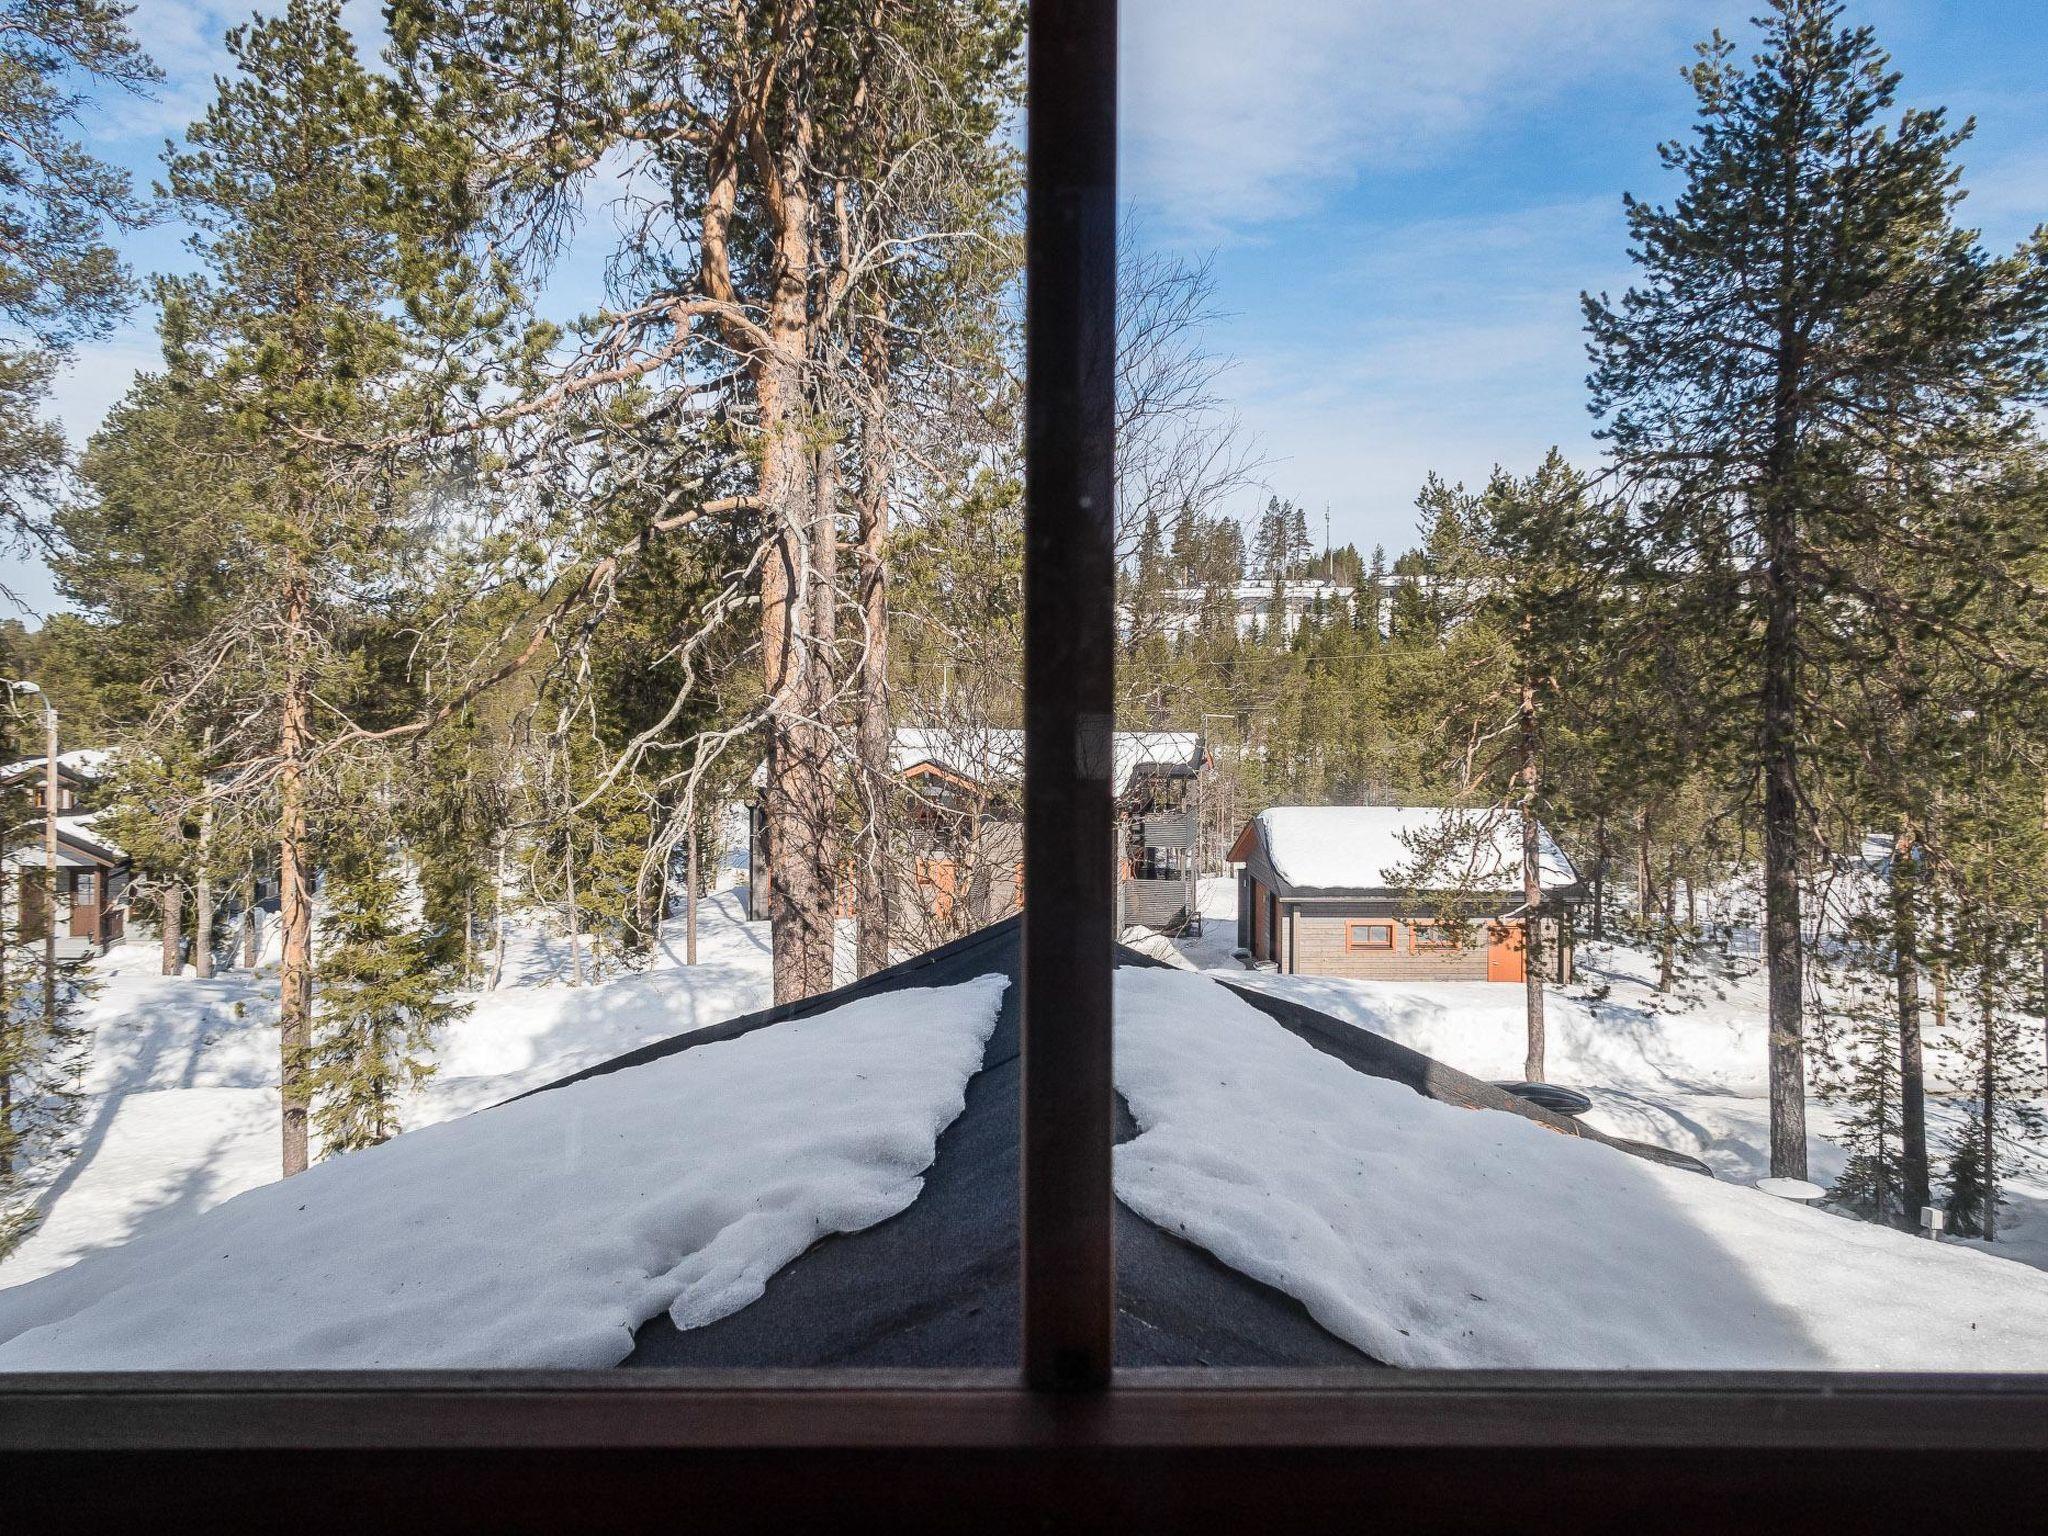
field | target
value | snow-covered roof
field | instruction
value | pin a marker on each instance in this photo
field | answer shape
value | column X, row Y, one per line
column 1430, row 1236
column 564, row 1228
column 86, row 762
column 76, row 832
column 973, row 754
column 542, row 1232
column 1373, row 847
column 998, row 752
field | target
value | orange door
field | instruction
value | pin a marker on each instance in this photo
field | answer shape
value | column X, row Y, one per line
column 1505, row 947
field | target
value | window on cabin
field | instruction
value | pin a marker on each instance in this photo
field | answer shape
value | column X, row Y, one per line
column 1368, row 935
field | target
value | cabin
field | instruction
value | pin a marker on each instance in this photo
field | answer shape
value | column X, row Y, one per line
column 93, row 873
column 1322, row 891
column 960, row 853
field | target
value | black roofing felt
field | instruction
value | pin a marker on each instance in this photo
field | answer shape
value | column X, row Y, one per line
column 937, row 1285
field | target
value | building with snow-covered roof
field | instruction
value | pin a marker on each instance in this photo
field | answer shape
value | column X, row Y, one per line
column 1397, row 892
column 960, row 863
column 93, row 872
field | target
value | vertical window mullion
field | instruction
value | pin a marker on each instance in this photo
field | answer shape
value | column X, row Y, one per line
column 1069, row 1270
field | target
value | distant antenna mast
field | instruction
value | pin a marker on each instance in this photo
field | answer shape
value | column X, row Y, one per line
column 1329, row 563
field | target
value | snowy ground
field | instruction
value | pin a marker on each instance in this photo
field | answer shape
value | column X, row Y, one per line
column 181, row 1107
column 1684, row 1071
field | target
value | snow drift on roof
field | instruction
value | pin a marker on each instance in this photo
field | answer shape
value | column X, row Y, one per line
column 542, row 1232
column 1361, row 847
column 87, row 762
column 993, row 753
column 1434, row 1236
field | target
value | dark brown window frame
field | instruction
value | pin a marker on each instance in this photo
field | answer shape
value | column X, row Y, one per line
column 1065, row 1440
column 1366, row 947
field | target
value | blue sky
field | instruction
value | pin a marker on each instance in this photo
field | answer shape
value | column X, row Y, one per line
column 1402, row 200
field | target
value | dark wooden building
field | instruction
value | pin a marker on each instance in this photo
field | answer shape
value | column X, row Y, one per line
column 92, row 872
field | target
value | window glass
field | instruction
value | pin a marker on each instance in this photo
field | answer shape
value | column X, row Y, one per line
column 1581, row 476
column 542, row 601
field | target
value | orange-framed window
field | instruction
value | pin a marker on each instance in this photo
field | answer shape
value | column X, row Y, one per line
column 1367, row 934
column 1428, row 933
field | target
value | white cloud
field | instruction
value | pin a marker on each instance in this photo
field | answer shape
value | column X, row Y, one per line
column 1235, row 111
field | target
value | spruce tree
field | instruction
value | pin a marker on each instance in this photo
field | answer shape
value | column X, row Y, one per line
column 382, row 1001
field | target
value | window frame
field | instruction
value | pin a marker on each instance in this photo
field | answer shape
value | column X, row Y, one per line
column 1418, row 945
column 1354, row 947
column 1065, row 1435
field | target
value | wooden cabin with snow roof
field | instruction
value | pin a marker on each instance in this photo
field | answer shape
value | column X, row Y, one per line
column 1336, row 890
column 92, row 880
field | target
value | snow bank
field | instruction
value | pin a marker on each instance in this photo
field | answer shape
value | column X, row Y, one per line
column 1482, row 1028
column 1434, row 1236
column 181, row 1099
column 540, row 1233
column 1339, row 847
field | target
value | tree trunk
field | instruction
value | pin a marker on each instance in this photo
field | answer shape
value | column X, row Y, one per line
column 690, row 899
column 1784, row 942
column 295, row 918
column 1600, row 856
column 797, row 803
column 798, row 800
column 1646, row 895
column 1532, row 882
column 202, row 897
column 252, row 929
column 171, row 931
column 52, row 803
column 498, row 919
column 1667, row 962
column 295, row 890
column 1987, row 1012
column 569, row 883
column 871, row 864
column 1915, row 1184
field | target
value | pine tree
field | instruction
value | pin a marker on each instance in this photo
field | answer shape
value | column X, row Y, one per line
column 1808, row 284
column 60, row 283
column 286, row 347
column 764, row 286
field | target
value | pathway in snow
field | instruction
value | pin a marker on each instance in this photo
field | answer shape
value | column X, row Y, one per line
column 181, row 1105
